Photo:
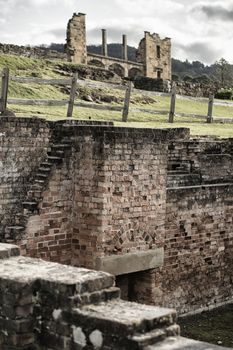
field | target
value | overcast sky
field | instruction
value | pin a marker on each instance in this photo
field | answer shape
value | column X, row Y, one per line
column 200, row 30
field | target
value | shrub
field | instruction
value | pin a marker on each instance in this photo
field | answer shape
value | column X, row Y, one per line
column 175, row 77
column 187, row 78
column 224, row 94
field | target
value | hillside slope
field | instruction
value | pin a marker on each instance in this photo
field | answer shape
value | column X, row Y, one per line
column 27, row 67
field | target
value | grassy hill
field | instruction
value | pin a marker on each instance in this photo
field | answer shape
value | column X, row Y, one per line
column 27, row 67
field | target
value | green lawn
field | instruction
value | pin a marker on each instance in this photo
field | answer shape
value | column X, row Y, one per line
column 138, row 120
column 20, row 66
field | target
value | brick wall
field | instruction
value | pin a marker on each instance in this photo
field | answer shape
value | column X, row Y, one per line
column 49, row 231
column 197, row 270
column 23, row 144
column 119, row 197
column 107, row 197
column 202, row 155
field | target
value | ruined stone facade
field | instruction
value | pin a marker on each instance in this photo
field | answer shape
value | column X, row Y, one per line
column 143, row 204
column 153, row 56
column 76, row 39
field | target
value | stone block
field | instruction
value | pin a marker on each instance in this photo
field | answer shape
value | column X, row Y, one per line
column 131, row 262
column 8, row 250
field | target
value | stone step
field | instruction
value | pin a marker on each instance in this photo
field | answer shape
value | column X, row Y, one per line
column 181, row 180
column 41, row 176
column 155, row 336
column 39, row 182
column 44, row 169
column 126, row 317
column 179, row 165
column 34, row 194
column 95, row 297
column 46, row 164
column 61, row 146
column 177, row 172
column 56, row 153
column 184, row 176
column 31, row 206
column 14, row 230
column 67, row 141
column 20, row 219
column 181, row 343
column 54, row 160
column 36, row 187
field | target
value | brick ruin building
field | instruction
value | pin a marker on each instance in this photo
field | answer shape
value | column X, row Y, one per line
column 153, row 55
column 142, row 204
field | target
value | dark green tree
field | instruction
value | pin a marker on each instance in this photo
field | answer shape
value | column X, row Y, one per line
column 223, row 72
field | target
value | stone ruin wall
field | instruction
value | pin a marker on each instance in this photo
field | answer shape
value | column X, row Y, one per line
column 31, row 52
column 94, row 209
column 147, row 54
column 76, row 48
column 155, row 54
column 195, row 89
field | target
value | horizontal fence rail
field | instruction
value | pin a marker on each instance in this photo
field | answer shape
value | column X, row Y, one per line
column 74, row 82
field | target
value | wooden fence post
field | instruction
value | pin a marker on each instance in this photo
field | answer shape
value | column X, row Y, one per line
column 127, row 101
column 172, row 104
column 210, row 109
column 72, row 95
column 4, row 90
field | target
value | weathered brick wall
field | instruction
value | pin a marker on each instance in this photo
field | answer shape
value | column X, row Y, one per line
column 107, row 198
column 23, row 144
column 119, row 192
column 198, row 264
column 49, row 231
column 202, row 156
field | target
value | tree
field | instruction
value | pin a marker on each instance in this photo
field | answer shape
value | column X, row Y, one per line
column 223, row 70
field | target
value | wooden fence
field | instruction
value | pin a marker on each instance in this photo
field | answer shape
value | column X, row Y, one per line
column 75, row 82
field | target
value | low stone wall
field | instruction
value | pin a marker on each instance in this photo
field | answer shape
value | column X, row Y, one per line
column 32, row 52
column 195, row 89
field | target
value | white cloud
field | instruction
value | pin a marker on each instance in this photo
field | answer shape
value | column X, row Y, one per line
column 191, row 25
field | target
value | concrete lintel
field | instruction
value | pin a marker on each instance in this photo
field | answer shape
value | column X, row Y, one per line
column 130, row 262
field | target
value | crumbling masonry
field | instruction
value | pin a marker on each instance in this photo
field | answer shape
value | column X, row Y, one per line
column 153, row 55
column 142, row 204
column 47, row 306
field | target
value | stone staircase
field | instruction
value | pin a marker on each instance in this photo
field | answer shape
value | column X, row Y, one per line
column 180, row 174
column 30, row 205
column 128, row 325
